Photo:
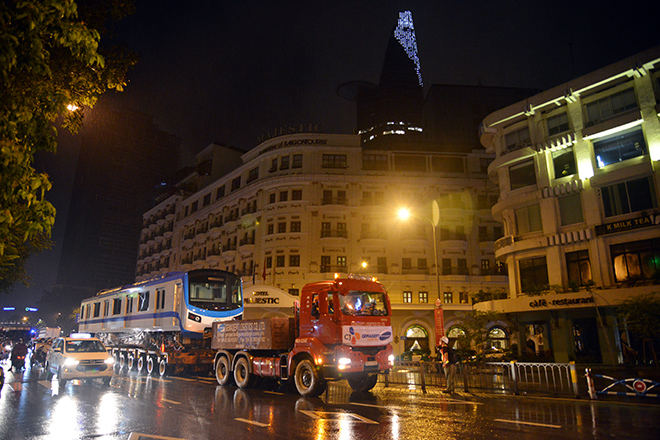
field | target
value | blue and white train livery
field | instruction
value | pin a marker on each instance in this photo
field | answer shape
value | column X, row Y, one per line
column 144, row 321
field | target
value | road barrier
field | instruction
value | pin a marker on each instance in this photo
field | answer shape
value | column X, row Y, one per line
column 621, row 387
column 513, row 377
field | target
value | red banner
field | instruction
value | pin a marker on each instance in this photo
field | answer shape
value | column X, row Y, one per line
column 439, row 324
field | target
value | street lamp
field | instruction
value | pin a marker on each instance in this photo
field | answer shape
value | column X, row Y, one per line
column 405, row 214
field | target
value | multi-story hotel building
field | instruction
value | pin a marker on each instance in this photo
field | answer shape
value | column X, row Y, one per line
column 300, row 207
column 578, row 168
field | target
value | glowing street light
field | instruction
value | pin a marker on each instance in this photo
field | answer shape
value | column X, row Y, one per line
column 72, row 107
column 405, row 214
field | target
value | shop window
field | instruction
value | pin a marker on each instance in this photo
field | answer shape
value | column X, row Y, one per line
column 456, row 332
column 578, row 267
column 522, row 174
column 417, row 340
column 570, row 209
column 497, row 339
column 619, row 147
column 625, row 197
column 636, row 260
column 533, row 274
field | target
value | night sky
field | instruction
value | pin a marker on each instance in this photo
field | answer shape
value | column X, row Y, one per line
column 230, row 71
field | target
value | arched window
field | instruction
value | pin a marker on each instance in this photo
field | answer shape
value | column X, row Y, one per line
column 497, row 338
column 417, row 338
column 456, row 332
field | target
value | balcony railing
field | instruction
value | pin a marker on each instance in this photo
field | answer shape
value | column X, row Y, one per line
column 334, row 233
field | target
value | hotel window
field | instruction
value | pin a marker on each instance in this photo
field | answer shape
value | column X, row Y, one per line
column 325, row 263
column 485, row 267
column 281, row 227
column 423, row 297
column 374, row 162
column 206, row 200
column 578, row 267
column 341, row 263
column 253, row 174
column 194, row 206
column 570, row 209
column 269, row 262
column 448, row 297
column 517, row 139
column 220, row 192
column 407, row 296
column 270, row 229
column 563, row 162
column 528, row 219
column 326, row 229
column 557, row 124
column 533, row 274
column 296, row 194
column 279, row 261
column 297, row 161
column 619, row 147
column 273, row 166
column 284, row 163
column 295, row 227
column 610, row 106
column 334, row 161
column 284, row 196
column 522, row 174
column 271, row 198
column 236, row 183
column 637, row 259
column 623, row 198
column 294, row 260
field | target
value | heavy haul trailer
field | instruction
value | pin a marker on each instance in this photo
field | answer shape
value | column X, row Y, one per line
column 163, row 325
column 342, row 330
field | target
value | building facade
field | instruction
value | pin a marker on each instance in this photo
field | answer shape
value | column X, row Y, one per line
column 302, row 207
column 578, row 168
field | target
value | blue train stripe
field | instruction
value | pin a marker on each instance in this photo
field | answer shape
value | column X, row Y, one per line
column 134, row 317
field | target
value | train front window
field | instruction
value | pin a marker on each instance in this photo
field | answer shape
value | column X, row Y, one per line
column 358, row 303
column 215, row 293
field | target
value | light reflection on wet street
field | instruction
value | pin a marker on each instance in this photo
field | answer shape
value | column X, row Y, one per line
column 136, row 406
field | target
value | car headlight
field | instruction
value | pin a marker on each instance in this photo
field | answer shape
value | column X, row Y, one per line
column 110, row 360
column 390, row 359
column 70, row 362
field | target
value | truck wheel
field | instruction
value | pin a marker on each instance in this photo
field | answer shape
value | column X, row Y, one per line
column 162, row 367
column 309, row 382
column 150, row 365
column 131, row 362
column 242, row 375
column 222, row 373
column 140, row 364
column 122, row 361
column 364, row 382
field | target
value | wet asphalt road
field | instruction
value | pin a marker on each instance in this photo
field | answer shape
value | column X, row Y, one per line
column 139, row 407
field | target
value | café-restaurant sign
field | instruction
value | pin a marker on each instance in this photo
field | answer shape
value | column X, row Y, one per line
column 626, row 225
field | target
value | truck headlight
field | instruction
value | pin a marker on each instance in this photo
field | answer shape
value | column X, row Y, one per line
column 343, row 363
column 70, row 362
column 110, row 361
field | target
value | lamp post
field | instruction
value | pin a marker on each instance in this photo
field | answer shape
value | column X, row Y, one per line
column 405, row 214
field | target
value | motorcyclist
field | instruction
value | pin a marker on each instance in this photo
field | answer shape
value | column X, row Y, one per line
column 20, row 349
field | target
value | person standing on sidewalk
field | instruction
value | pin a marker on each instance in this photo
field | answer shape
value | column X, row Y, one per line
column 448, row 363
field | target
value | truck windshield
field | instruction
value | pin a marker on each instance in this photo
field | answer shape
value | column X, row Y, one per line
column 358, row 303
column 216, row 293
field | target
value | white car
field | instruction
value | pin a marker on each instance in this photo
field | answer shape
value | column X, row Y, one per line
column 79, row 357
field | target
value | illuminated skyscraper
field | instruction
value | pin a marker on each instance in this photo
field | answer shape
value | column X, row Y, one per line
column 405, row 35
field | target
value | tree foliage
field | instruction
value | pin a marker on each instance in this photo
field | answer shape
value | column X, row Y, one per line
column 642, row 315
column 50, row 62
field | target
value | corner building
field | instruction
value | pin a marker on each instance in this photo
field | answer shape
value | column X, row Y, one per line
column 578, row 168
column 300, row 207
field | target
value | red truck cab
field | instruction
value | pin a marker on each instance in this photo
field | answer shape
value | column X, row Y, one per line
column 346, row 325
